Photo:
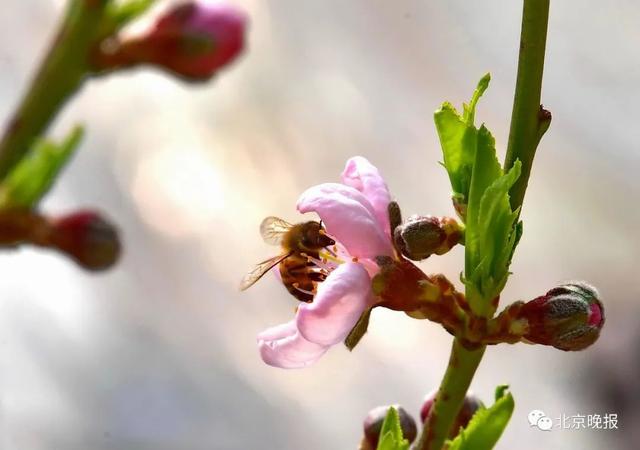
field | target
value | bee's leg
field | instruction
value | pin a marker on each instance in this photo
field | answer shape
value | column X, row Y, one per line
column 301, row 294
column 318, row 276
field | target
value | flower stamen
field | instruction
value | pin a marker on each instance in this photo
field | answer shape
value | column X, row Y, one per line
column 326, row 256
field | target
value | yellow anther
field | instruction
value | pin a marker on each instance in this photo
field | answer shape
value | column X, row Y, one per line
column 328, row 257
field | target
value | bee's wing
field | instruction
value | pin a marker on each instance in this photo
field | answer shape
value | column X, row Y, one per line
column 273, row 229
column 260, row 269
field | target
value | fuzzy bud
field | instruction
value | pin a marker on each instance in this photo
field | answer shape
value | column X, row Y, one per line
column 374, row 420
column 422, row 236
column 87, row 238
column 469, row 407
column 193, row 40
column 568, row 317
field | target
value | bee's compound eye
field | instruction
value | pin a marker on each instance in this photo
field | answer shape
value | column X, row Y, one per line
column 325, row 241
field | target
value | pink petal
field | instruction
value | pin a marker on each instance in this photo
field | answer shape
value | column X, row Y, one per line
column 349, row 217
column 340, row 301
column 283, row 346
column 360, row 174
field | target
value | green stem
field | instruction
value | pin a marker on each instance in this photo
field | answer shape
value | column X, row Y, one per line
column 528, row 123
column 457, row 378
column 528, row 120
column 60, row 75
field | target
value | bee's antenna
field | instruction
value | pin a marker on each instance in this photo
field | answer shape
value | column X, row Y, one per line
column 320, row 223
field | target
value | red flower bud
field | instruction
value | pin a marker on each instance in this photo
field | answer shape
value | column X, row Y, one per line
column 375, row 418
column 193, row 40
column 469, row 407
column 422, row 236
column 88, row 238
column 568, row 317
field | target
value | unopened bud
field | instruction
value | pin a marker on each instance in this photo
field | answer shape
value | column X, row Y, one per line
column 568, row 317
column 193, row 40
column 374, row 420
column 88, row 238
column 422, row 236
column 469, row 407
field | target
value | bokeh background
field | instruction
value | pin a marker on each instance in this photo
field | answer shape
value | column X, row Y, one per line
column 160, row 352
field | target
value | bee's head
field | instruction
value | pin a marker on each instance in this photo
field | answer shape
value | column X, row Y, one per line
column 314, row 236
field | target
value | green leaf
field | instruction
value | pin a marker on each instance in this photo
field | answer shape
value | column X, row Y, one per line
column 519, row 229
column 458, row 138
column 391, row 433
column 481, row 198
column 470, row 109
column 491, row 233
column 32, row 178
column 501, row 391
column 487, row 424
column 458, row 143
column 497, row 227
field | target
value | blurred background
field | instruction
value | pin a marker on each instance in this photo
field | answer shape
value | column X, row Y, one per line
column 160, row 352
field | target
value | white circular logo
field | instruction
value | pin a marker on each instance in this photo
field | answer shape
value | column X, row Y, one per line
column 540, row 420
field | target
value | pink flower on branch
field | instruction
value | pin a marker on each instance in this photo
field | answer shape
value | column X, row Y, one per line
column 355, row 214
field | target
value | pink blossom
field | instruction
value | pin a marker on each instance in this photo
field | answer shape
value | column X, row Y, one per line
column 354, row 213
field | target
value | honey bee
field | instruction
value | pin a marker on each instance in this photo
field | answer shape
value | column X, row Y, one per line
column 301, row 246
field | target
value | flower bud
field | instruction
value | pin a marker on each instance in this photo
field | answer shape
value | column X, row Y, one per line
column 88, row 238
column 568, row 317
column 422, row 236
column 469, row 407
column 375, row 418
column 193, row 40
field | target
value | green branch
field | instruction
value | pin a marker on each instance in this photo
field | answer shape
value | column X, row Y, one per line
column 60, row 75
column 457, row 378
column 529, row 121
